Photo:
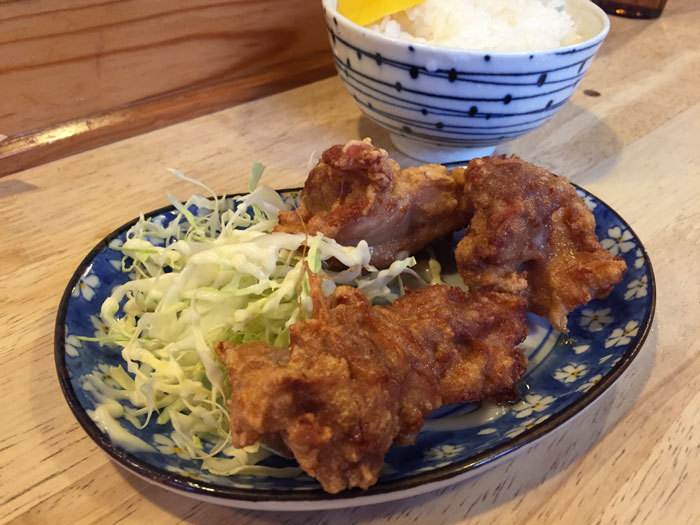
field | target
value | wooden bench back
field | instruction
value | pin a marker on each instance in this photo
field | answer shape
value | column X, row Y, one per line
column 75, row 74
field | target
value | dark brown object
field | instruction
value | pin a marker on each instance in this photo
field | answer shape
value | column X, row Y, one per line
column 358, row 378
column 633, row 8
column 357, row 193
column 531, row 235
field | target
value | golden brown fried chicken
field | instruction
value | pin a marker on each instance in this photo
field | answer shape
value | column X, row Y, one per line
column 357, row 193
column 358, row 378
column 531, row 235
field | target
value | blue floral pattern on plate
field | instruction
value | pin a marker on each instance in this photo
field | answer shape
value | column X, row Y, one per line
column 565, row 374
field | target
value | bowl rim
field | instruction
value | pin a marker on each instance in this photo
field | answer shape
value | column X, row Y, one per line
column 330, row 9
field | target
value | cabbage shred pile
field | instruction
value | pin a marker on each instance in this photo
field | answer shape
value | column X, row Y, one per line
column 214, row 272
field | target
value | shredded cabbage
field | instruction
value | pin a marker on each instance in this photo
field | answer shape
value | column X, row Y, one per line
column 213, row 273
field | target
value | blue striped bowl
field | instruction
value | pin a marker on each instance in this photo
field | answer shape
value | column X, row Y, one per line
column 443, row 104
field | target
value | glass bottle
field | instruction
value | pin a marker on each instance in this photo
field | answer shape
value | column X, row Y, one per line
column 633, row 8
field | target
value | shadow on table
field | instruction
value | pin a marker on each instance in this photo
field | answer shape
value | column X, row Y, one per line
column 572, row 142
column 502, row 485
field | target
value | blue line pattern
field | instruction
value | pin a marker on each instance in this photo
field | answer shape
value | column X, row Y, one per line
column 480, row 100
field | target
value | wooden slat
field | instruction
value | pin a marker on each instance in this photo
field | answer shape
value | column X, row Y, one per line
column 34, row 148
column 75, row 75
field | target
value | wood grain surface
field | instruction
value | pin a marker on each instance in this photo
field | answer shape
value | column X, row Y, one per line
column 632, row 457
column 75, row 75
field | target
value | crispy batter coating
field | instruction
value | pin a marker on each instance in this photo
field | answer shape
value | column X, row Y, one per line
column 358, row 378
column 357, row 193
column 531, row 235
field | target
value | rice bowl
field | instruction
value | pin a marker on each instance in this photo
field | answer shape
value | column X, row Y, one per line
column 445, row 104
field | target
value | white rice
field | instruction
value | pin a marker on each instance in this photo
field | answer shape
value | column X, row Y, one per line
column 506, row 25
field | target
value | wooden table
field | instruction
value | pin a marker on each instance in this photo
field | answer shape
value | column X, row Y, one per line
column 634, row 456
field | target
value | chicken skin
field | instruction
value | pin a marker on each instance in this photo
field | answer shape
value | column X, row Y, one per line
column 531, row 235
column 357, row 193
column 358, row 378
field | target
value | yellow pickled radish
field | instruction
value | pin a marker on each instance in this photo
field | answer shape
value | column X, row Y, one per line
column 364, row 12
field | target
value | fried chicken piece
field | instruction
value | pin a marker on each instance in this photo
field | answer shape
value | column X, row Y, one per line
column 531, row 235
column 357, row 193
column 358, row 378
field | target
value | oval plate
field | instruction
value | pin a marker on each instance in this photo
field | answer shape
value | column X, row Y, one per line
column 565, row 374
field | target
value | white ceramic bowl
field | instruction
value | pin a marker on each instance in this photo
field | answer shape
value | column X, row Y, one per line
column 444, row 104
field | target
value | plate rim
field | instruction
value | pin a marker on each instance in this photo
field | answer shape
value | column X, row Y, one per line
column 429, row 480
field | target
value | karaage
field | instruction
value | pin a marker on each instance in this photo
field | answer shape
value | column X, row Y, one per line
column 357, row 193
column 358, row 378
column 531, row 235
